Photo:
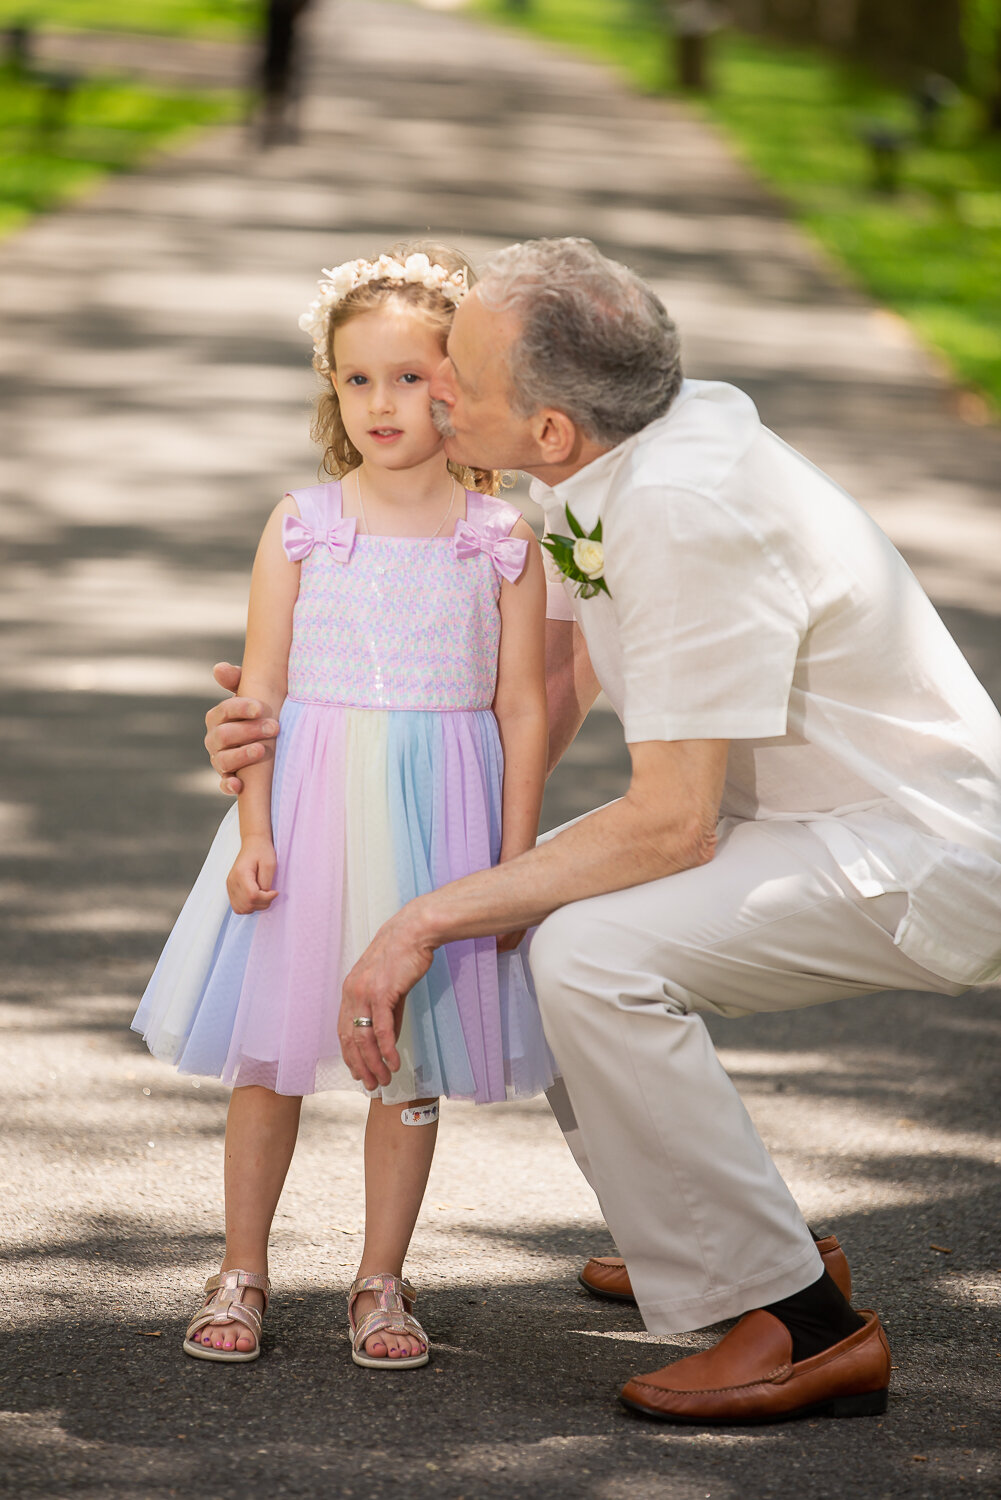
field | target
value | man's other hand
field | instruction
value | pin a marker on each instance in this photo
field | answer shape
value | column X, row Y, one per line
column 376, row 990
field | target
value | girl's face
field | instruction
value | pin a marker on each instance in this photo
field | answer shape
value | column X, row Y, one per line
column 383, row 364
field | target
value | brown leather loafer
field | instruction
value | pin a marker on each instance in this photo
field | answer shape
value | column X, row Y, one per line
column 606, row 1275
column 749, row 1377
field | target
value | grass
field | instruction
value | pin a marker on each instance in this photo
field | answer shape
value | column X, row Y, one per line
column 207, row 18
column 109, row 126
column 931, row 251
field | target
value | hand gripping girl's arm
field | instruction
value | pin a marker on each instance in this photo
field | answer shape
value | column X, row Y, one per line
column 273, row 589
column 520, row 706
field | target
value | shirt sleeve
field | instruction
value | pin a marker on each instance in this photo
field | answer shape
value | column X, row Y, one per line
column 710, row 619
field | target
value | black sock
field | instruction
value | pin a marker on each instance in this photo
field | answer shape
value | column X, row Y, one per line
column 817, row 1317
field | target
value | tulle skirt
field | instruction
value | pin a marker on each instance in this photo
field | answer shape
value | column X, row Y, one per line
column 369, row 809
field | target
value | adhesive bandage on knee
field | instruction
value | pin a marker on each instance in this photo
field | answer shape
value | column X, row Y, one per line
column 420, row 1114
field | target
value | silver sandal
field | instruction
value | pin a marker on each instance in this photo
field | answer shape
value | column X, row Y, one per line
column 225, row 1304
column 395, row 1298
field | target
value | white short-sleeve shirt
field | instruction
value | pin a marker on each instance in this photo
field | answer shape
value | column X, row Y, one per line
column 751, row 599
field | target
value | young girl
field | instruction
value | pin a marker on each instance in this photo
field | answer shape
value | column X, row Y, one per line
column 398, row 612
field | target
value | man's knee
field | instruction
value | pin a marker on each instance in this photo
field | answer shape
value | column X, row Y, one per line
column 556, row 951
column 577, row 956
column 581, row 956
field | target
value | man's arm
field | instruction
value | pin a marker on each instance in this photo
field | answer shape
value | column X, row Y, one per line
column 666, row 822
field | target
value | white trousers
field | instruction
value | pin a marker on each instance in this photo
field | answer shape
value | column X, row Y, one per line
column 695, row 1203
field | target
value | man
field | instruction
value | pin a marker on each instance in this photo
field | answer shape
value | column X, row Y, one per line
column 814, row 810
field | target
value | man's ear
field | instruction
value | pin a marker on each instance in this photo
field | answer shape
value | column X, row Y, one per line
column 556, row 435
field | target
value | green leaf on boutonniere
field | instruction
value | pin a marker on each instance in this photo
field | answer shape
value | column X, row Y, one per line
column 565, row 551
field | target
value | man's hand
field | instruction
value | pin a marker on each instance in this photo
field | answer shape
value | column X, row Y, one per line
column 377, row 988
column 249, row 884
column 237, row 730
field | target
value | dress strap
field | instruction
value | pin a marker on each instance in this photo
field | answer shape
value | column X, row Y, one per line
column 488, row 513
column 487, row 528
column 320, row 505
column 320, row 520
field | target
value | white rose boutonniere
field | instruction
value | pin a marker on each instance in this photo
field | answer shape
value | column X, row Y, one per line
column 580, row 557
column 590, row 557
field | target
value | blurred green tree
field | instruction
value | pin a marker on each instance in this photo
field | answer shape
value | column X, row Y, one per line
column 982, row 39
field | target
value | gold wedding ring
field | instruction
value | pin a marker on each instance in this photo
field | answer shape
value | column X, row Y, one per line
column 363, row 1021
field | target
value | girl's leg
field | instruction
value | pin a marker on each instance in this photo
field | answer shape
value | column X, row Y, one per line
column 261, row 1129
column 397, row 1163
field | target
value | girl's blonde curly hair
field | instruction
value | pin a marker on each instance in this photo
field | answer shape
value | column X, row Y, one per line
column 340, row 456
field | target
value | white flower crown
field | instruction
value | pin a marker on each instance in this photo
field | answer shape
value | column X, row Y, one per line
column 416, row 270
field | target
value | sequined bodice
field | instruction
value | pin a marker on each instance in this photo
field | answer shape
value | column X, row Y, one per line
column 398, row 622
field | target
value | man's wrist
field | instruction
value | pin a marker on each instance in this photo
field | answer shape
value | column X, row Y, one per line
column 422, row 922
column 514, row 851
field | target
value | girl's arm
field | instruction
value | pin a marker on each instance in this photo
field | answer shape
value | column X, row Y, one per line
column 274, row 586
column 571, row 686
column 520, row 704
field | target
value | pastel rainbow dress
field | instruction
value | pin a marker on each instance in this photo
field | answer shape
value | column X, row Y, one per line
column 387, row 783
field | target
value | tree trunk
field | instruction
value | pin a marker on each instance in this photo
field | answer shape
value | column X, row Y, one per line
column 913, row 33
column 836, row 23
column 994, row 103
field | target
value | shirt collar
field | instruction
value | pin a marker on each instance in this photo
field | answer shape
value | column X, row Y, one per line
column 586, row 490
column 583, row 491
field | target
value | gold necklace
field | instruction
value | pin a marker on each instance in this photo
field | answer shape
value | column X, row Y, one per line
column 437, row 530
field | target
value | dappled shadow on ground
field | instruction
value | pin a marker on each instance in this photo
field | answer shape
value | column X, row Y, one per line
column 529, row 1371
column 147, row 454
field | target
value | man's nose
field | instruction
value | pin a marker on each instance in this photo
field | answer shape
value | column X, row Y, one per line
column 441, row 387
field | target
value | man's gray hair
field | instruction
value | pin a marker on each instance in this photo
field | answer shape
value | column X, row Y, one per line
column 595, row 342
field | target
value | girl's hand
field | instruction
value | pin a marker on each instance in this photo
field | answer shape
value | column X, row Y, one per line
column 249, row 883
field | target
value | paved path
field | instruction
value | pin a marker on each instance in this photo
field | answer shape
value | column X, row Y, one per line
column 191, row 62
column 158, row 391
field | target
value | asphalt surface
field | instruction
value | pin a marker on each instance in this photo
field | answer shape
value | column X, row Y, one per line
column 157, row 390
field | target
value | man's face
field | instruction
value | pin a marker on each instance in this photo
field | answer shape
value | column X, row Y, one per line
column 470, row 393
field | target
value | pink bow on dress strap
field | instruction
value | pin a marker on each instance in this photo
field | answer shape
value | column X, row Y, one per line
column 507, row 553
column 299, row 538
